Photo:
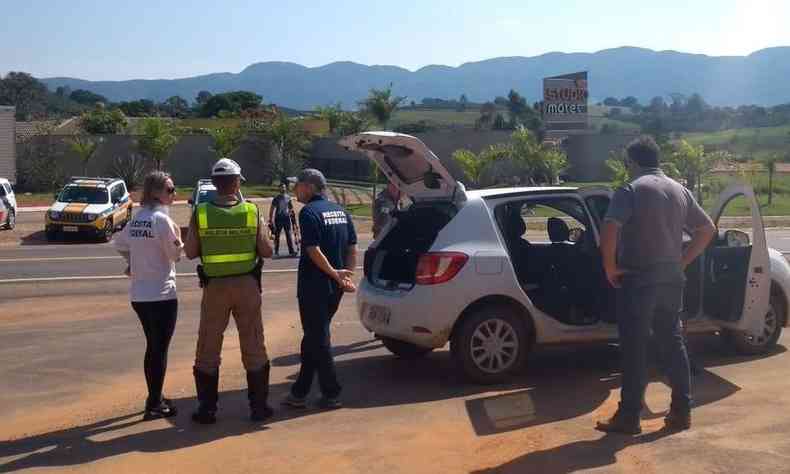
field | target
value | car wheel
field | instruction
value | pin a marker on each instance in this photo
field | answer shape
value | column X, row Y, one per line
column 106, row 233
column 772, row 329
column 405, row 350
column 490, row 344
column 10, row 222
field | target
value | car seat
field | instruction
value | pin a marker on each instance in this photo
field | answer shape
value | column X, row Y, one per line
column 519, row 247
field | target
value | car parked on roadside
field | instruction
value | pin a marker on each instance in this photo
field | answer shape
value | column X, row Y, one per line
column 498, row 271
column 89, row 207
column 8, row 199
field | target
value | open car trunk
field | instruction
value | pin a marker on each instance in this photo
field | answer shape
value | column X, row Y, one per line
column 392, row 263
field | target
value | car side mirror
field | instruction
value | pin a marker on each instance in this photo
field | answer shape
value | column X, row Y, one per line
column 736, row 238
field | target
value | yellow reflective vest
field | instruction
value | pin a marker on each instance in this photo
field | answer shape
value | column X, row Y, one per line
column 228, row 238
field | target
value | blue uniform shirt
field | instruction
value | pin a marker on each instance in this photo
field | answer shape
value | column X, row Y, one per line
column 328, row 226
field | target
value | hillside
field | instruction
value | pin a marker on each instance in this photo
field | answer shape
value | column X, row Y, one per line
column 754, row 142
column 759, row 78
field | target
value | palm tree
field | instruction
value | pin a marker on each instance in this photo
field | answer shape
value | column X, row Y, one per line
column 290, row 141
column 157, row 140
column 380, row 104
column 85, row 147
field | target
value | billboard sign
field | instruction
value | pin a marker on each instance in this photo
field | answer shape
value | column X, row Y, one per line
column 565, row 102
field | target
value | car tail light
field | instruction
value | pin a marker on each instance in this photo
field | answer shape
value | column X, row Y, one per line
column 439, row 267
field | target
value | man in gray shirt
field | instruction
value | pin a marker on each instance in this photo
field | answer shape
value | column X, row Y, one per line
column 644, row 256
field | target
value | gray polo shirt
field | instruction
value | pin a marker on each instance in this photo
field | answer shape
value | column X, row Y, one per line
column 653, row 211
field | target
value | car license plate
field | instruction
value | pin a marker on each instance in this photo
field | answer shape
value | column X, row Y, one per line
column 70, row 228
column 379, row 315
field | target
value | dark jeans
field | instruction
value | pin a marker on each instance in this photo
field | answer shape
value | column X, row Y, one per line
column 283, row 224
column 316, row 313
column 640, row 309
column 159, row 321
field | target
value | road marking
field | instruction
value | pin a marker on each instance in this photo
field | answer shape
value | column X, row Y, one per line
column 57, row 259
column 118, row 277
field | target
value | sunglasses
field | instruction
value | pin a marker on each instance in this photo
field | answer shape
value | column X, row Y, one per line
column 171, row 190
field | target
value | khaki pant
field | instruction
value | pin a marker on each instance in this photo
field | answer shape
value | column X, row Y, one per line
column 221, row 297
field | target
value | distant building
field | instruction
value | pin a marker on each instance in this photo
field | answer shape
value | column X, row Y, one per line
column 8, row 143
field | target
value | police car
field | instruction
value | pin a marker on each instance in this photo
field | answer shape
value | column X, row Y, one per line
column 89, row 207
column 205, row 192
column 8, row 201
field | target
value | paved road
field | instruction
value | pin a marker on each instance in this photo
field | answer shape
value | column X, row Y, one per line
column 70, row 361
column 86, row 259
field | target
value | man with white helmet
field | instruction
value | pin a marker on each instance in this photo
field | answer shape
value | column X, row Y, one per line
column 227, row 235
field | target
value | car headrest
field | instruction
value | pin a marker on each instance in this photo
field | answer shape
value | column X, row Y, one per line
column 558, row 230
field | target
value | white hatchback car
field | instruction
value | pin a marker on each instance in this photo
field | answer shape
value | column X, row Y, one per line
column 9, row 201
column 497, row 271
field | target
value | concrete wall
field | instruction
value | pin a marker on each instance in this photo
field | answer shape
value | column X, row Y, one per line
column 7, row 144
column 587, row 155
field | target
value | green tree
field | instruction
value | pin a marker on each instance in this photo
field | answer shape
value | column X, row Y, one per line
column 472, row 165
column 693, row 164
column 352, row 123
column 226, row 141
column 85, row 147
column 84, row 97
column 157, row 140
column 770, row 161
column 101, row 121
column 290, row 142
column 616, row 165
column 25, row 92
column 176, row 106
column 230, row 103
column 380, row 104
column 332, row 114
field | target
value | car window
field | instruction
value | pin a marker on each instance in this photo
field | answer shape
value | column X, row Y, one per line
column 535, row 216
column 3, row 191
column 84, row 195
column 206, row 195
column 598, row 205
column 117, row 193
column 736, row 215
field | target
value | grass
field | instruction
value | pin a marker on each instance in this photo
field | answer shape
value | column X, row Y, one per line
column 750, row 142
column 360, row 210
column 438, row 117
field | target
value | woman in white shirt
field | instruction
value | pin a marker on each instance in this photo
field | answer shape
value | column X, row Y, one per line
column 151, row 244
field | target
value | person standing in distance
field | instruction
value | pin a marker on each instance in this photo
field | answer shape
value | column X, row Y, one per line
column 227, row 235
column 280, row 213
column 151, row 244
column 326, row 268
column 387, row 202
column 644, row 256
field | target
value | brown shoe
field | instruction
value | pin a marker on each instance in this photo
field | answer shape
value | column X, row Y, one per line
column 619, row 423
column 677, row 421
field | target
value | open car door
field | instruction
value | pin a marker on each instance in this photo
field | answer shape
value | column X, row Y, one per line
column 737, row 281
column 409, row 164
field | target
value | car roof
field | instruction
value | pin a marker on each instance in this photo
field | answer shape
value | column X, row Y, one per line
column 92, row 182
column 522, row 190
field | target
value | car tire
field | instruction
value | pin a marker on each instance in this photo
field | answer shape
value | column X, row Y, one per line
column 485, row 359
column 772, row 330
column 109, row 229
column 10, row 222
column 405, row 350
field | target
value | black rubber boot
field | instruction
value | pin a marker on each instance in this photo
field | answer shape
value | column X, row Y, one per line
column 207, row 386
column 258, row 393
column 621, row 423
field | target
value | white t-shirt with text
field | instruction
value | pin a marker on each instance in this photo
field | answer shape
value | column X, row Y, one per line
column 153, row 245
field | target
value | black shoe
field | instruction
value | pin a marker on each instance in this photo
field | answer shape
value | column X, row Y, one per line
column 327, row 403
column 258, row 394
column 207, row 386
column 164, row 409
column 294, row 402
column 678, row 420
column 620, row 423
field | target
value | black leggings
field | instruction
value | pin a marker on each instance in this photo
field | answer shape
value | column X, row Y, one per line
column 159, row 321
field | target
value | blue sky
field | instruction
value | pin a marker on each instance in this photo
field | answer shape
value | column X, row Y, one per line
column 113, row 40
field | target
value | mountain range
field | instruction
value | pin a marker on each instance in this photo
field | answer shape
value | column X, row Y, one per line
column 761, row 78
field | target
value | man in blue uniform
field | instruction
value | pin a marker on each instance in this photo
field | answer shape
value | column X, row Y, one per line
column 326, row 268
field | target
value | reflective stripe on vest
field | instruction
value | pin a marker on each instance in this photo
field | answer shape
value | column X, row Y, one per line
column 228, row 238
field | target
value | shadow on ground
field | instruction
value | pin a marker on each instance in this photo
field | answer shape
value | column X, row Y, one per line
column 561, row 384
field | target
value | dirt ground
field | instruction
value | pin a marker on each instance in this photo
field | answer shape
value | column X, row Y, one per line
column 73, row 387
